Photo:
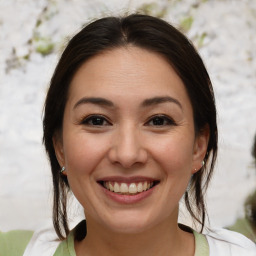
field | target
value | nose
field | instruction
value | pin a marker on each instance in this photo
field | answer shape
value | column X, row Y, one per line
column 127, row 148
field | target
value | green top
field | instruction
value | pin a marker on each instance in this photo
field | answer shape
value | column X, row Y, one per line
column 13, row 243
column 67, row 247
column 202, row 247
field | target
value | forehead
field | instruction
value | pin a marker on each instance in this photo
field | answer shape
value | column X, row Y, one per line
column 125, row 72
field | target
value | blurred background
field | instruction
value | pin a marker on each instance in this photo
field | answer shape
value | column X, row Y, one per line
column 32, row 37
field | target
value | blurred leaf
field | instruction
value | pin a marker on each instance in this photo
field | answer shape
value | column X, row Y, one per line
column 152, row 9
column 200, row 41
column 44, row 46
column 186, row 23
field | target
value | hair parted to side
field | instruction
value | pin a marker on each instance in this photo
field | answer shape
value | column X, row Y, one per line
column 148, row 33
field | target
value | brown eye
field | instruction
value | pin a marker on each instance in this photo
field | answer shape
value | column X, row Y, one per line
column 160, row 120
column 96, row 120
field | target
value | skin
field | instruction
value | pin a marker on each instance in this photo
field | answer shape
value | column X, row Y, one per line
column 134, row 136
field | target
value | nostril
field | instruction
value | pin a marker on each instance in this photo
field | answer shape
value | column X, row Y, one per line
column 127, row 157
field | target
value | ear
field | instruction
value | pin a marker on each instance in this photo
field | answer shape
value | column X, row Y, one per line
column 58, row 147
column 200, row 148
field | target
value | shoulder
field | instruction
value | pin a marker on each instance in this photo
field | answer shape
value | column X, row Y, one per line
column 13, row 243
column 226, row 242
column 245, row 227
column 43, row 242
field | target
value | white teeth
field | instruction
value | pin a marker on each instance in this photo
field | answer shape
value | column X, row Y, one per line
column 111, row 188
column 116, row 188
column 145, row 185
column 133, row 188
column 124, row 188
column 140, row 187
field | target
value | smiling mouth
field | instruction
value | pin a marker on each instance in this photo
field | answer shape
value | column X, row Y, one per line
column 133, row 188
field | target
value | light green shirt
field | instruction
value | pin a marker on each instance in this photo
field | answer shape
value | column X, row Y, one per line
column 67, row 247
column 14, row 243
column 202, row 247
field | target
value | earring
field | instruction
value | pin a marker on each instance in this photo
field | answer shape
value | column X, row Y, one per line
column 203, row 163
column 62, row 169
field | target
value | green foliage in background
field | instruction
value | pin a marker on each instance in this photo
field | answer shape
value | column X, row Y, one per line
column 186, row 23
column 43, row 44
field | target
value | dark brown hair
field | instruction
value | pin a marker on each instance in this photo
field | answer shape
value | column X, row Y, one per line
column 155, row 35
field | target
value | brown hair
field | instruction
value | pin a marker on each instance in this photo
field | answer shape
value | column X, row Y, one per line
column 155, row 35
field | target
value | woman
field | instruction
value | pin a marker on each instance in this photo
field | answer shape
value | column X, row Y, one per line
column 129, row 128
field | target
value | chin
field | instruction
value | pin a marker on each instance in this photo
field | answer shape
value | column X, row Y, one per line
column 129, row 224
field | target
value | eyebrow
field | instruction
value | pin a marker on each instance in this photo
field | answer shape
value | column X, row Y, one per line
column 145, row 103
column 96, row 101
column 159, row 100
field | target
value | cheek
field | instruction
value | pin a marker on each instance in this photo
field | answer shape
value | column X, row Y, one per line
column 83, row 152
column 175, row 154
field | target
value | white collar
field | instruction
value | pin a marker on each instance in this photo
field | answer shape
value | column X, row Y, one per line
column 44, row 242
column 224, row 242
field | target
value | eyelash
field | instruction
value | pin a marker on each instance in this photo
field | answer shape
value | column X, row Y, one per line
column 164, row 121
column 91, row 118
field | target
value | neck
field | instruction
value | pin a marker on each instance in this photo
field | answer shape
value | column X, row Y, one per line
column 165, row 239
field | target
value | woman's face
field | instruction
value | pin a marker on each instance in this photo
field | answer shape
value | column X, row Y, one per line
column 128, row 141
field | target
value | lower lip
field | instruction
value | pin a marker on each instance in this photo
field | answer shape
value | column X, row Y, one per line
column 128, row 199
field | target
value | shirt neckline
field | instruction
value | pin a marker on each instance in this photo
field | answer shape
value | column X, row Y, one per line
column 201, row 244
